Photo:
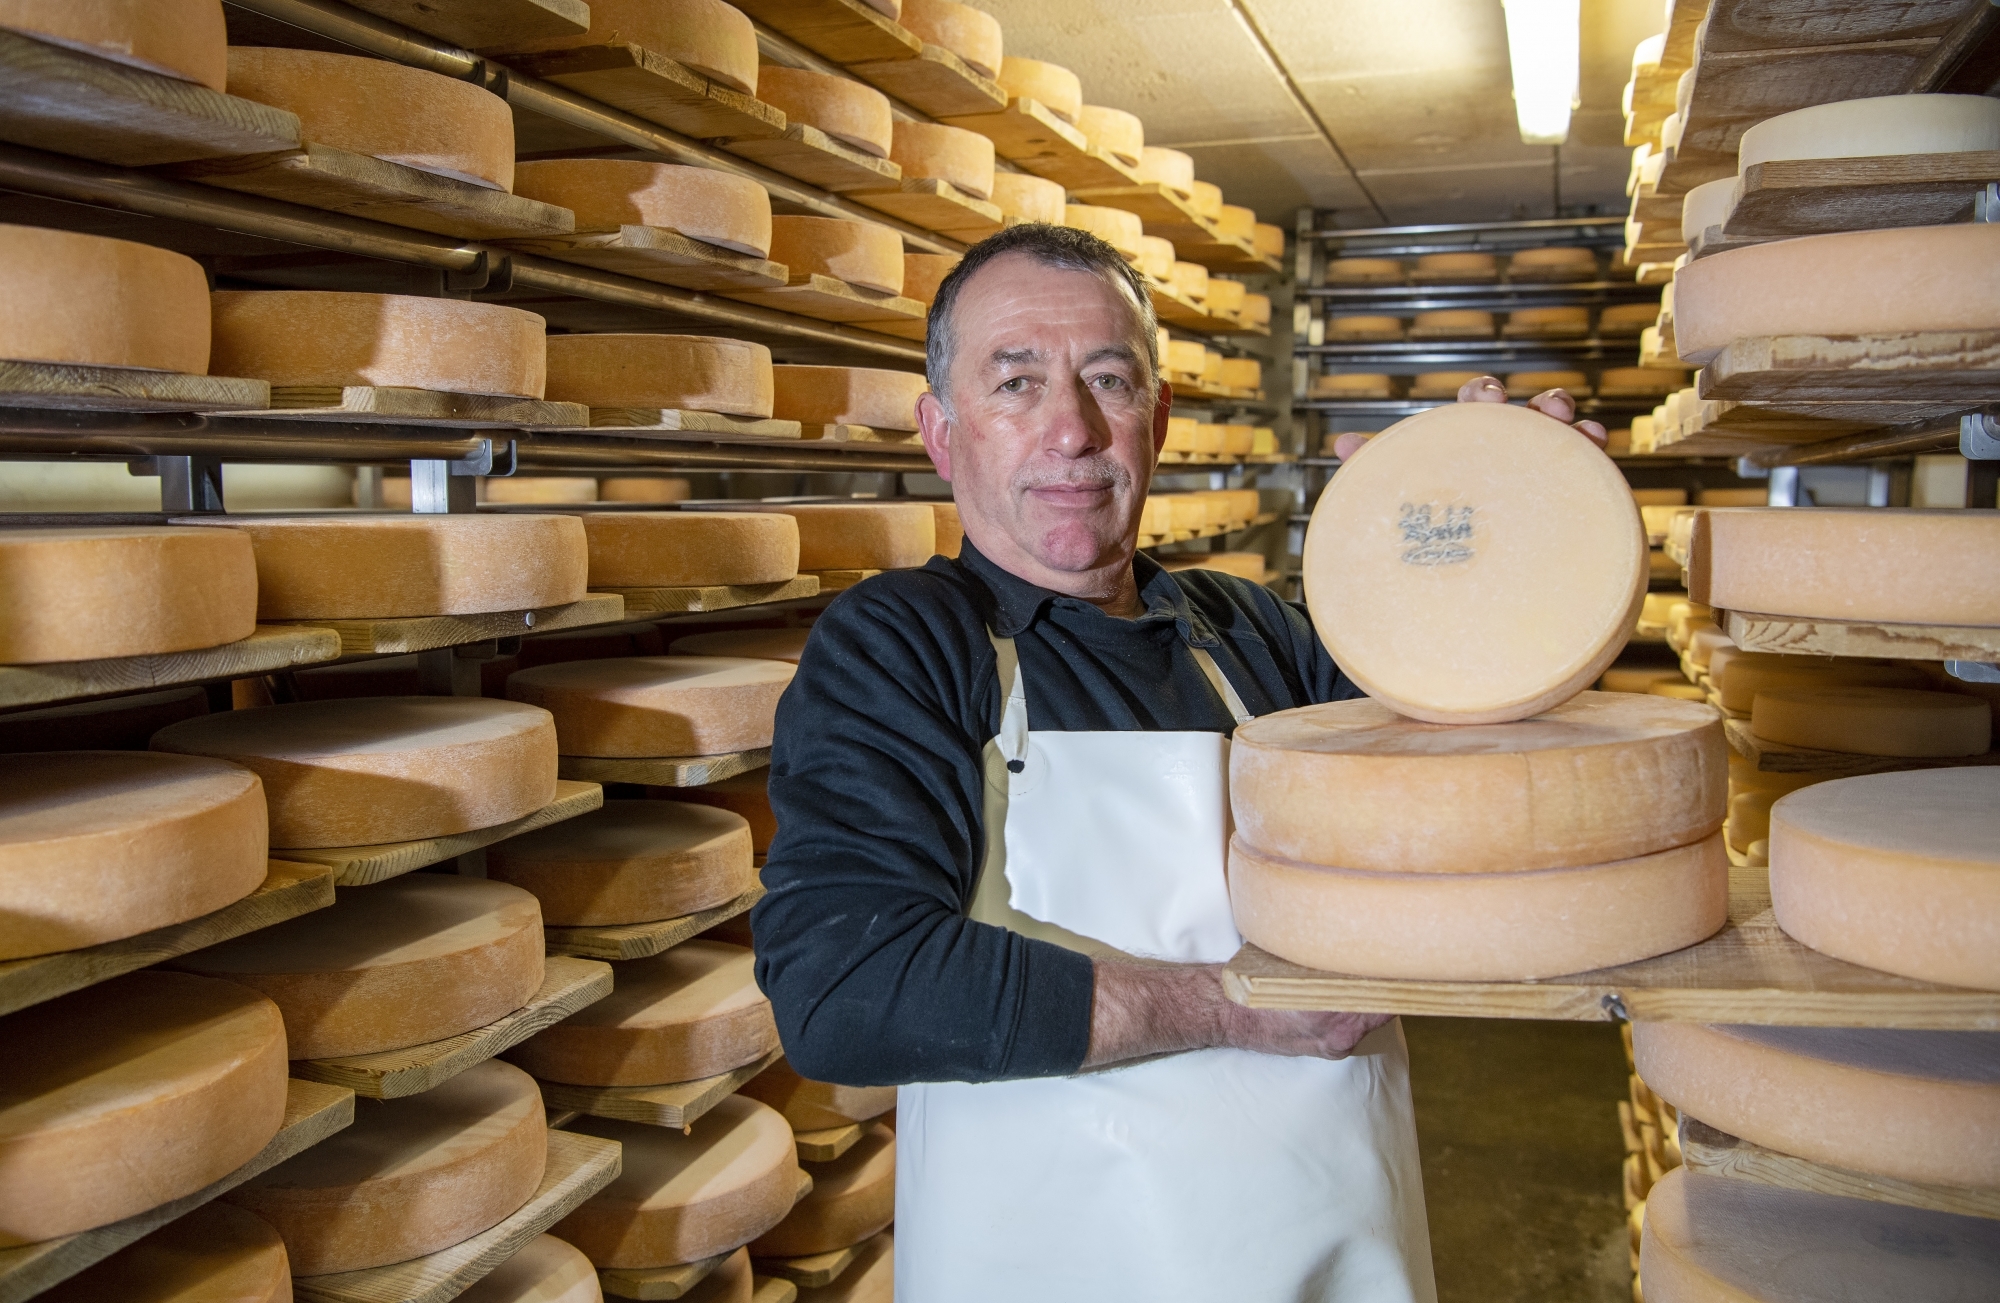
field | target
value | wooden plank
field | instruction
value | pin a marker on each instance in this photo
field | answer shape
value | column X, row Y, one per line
column 73, row 103
column 866, row 437
column 677, row 1105
column 656, row 88
column 578, row 1167
column 397, row 636
column 568, row 984
column 1778, row 758
column 67, row 387
column 773, row 1289
column 812, row 156
column 272, row 648
column 484, row 24
column 936, row 205
column 1750, row 972
column 1715, row 1152
column 1921, row 642
column 832, row 581
column 665, row 771
column 815, row 1271
column 358, row 866
column 416, row 407
column 1812, row 196
column 1024, row 132
column 313, row 1112
column 660, row 255
column 825, row 1145
column 1189, row 315
column 642, row 940
column 288, row 890
column 659, row 1282
column 936, row 82
column 642, row 603
column 823, row 298
column 336, row 181
column 707, row 426
column 845, row 31
column 1163, row 212
column 1937, row 365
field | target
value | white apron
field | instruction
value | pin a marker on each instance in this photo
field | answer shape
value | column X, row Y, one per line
column 1218, row 1176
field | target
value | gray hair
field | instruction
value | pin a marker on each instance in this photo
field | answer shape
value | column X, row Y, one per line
column 1062, row 247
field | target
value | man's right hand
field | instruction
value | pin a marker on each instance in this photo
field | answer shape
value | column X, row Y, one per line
column 1142, row 1009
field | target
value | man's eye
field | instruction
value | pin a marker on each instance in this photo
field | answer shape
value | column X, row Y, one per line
column 1017, row 384
column 1107, row 381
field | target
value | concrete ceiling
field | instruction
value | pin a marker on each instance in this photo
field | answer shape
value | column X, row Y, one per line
column 1415, row 93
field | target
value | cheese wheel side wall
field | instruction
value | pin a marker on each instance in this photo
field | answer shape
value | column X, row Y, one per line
column 85, row 594
column 676, row 549
column 187, row 39
column 699, row 202
column 848, row 111
column 699, row 373
column 712, row 38
column 326, row 338
column 94, row 301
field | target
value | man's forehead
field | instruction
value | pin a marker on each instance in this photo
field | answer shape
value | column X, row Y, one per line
column 1017, row 307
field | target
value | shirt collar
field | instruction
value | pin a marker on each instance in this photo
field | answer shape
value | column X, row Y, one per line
column 1017, row 603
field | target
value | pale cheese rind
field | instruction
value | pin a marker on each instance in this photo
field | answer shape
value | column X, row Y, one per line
column 1707, row 205
column 933, row 150
column 1118, row 133
column 971, row 34
column 87, row 594
column 546, row 1270
column 853, row 1197
column 713, row 38
column 1053, row 86
column 924, row 272
column 216, row 1254
column 336, row 338
column 1875, row 127
column 629, row 862
column 1172, row 169
column 701, row 203
column 861, row 535
column 1030, row 198
column 657, row 705
column 187, row 39
column 1205, row 197
column 540, row 490
column 1856, row 564
column 685, row 549
column 700, row 373
column 89, row 300
column 817, row 1105
column 1875, row 721
column 867, row 254
column 843, row 108
column 847, row 395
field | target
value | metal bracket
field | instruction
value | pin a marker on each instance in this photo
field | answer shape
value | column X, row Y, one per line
column 486, row 275
column 189, row 486
column 488, row 76
column 1750, row 470
column 1986, row 204
column 1979, row 436
column 440, row 487
column 1973, row 671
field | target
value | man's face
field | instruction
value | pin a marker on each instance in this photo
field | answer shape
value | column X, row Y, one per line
column 1055, row 423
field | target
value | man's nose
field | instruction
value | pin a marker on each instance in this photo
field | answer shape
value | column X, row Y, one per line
column 1075, row 425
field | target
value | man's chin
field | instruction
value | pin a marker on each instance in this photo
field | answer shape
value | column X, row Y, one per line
column 1076, row 546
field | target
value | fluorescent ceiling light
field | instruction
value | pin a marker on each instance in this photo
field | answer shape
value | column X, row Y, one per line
column 1542, row 46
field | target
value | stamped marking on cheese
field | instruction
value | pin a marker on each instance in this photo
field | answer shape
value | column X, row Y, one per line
column 1437, row 535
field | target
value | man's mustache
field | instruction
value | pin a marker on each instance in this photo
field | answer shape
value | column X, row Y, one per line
column 1094, row 472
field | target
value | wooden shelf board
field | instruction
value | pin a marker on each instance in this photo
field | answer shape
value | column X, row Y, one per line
column 1923, row 642
column 270, row 649
column 845, row 31
column 1173, row 310
column 67, row 387
column 1025, row 133
column 827, row 1144
column 866, row 438
column 823, row 298
column 643, row 603
column 814, row 1271
column 708, row 427
column 73, row 103
column 659, row 1282
column 1937, row 366
column 484, row 24
column 567, row 985
column 1778, row 758
column 643, row 940
column 399, row 635
column 810, row 155
column 415, row 407
column 1750, row 972
column 578, row 1167
column 1163, row 212
column 1715, row 1152
column 660, row 255
column 656, row 88
column 1219, row 254
column 358, row 866
column 665, row 771
column 935, row 81
column 936, row 205
column 1793, row 197
column 832, row 581
column 676, row 1105
column 288, row 890
column 313, row 1111
column 773, row 1289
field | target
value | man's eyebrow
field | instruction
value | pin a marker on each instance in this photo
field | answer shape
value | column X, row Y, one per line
column 1013, row 356
column 1112, row 353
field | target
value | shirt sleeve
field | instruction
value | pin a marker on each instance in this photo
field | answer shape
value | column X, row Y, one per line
column 873, row 971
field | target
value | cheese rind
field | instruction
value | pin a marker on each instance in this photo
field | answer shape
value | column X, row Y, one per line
column 1364, row 271
column 701, row 373
column 1116, row 227
column 861, row 535
column 87, row 594
column 746, row 795
column 1707, row 205
column 1172, row 169
column 711, row 37
column 1116, row 132
column 1438, row 266
column 867, row 254
column 335, row 338
column 843, row 108
column 1205, row 197
column 1030, row 198
column 629, row 862
column 1875, row 721
column 853, row 1197
column 847, row 395
column 180, row 38
column 685, row 549
column 1875, row 127
column 214, row 1254
column 94, row 301
column 930, row 149
column 1836, row 563
column 971, row 34
column 1740, row 677
column 1053, row 86
column 1461, row 321
column 1565, row 261
column 817, row 1105
column 1526, row 384
column 545, row 1270
column 656, row 705
column 539, row 489
column 700, row 202
column 924, row 272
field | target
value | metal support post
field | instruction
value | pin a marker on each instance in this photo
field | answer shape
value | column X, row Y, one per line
column 1784, row 486
column 189, row 486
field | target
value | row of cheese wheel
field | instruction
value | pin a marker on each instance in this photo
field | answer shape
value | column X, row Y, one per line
column 1189, row 357
column 1219, row 438
column 1174, row 513
column 1554, row 263
column 1469, row 323
column 1631, row 381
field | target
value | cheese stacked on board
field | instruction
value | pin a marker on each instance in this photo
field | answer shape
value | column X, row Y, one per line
column 86, row 300
column 630, row 862
column 697, row 373
column 331, row 339
column 688, row 549
column 657, row 706
column 1031, row 198
column 971, row 34
column 843, row 108
column 217, row 1252
column 866, row 254
column 853, row 1198
column 85, row 594
column 701, row 203
column 848, row 395
column 546, row 1270
column 860, row 535
column 186, row 39
column 711, row 37
column 929, row 150
column 747, row 796
column 809, row 1105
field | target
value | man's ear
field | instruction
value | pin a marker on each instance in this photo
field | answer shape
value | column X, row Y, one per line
column 1162, row 410
column 935, row 429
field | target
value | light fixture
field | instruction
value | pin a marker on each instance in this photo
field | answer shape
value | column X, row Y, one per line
column 1542, row 46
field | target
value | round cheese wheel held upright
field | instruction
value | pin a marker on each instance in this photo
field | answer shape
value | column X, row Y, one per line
column 1175, row 170
column 689, row 549
column 86, row 594
column 867, row 254
column 817, row 1105
column 701, row 373
column 711, row 37
column 843, row 108
column 187, row 39
column 411, row 1176
column 629, row 862
column 334, row 338
column 1030, row 198
column 546, row 1270
column 862, row 535
column 137, row 1091
column 87, row 300
column 700, row 202
column 932, row 150
column 1116, row 132
column 370, row 770
column 1480, row 525
column 848, row 395
column 1053, row 86
column 971, row 34
column 853, row 1197
column 217, row 1253
column 656, row 705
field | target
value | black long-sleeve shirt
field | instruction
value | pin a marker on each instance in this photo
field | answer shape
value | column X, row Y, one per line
column 876, row 974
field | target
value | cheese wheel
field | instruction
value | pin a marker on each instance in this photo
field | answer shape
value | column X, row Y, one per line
column 933, row 150
column 1554, row 791
column 1648, row 381
column 949, row 529
column 539, row 489
column 1370, row 327
column 1185, row 355
column 1634, row 680
column 853, row 1197
column 817, row 1105
column 215, row 1254
column 1205, row 197
column 85, row 594
column 867, row 254
column 1188, row 279
column 392, row 111
column 1268, row 240
column 861, row 535
column 1454, row 322
column 971, row 34
column 410, row 1176
column 1626, row 318
column 684, row 1197
column 656, row 705
column 700, row 202
column 1480, row 927
column 1526, row 384
column 1030, row 198
column 708, row 36
column 701, row 373
column 1911, row 1105
column 403, row 962
column 1476, row 266
column 100, row 845
column 1226, row 296
column 1558, row 262
column 1356, row 385
column 1549, row 321
column 545, row 1270
column 1441, row 384
column 1897, row 871
column 1055, row 88
column 92, row 301
column 1364, row 271
column 629, row 862
column 139, row 1090
column 1707, row 205
column 691, row 1012
column 1116, row 227
column 384, row 567
column 1741, row 681
column 843, row 108
column 1114, row 132
column 1443, row 533
column 1718, row 1239
column 686, row 549
column 642, row 488
column 746, row 795
column 1875, row 127
column 870, row 1278
column 337, row 338
column 924, row 272
column 1875, row 721
column 848, row 395
column 1895, row 565
column 1847, row 283
column 1168, row 167
column 1703, row 644
column 1242, row 373
column 177, row 38
column 1234, row 222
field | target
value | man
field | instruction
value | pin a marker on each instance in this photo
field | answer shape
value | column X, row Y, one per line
column 998, row 876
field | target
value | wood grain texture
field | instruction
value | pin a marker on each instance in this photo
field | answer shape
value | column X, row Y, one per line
column 773, row 1289
column 313, row 1112
column 710, row 427
column 641, row 603
column 418, row 407
column 652, row 86
column 845, row 31
column 665, row 771
column 66, row 387
column 288, row 890
column 658, row 1282
column 403, row 634
column 1026, row 133
column 642, row 940
column 935, row 204
column 676, row 1105
column 484, row 24
column 1779, row 758
column 810, row 155
column 1812, row 196
column 1717, row 1153
column 1750, row 972
column 661, row 255
column 357, row 866
column 1922, row 642
column 1945, row 366
column 823, row 298
column 1162, row 212
column 815, row 1271
column 936, row 82
column 1173, row 310
column 825, row 1145
column 272, row 648
column 863, row 434
column 568, row 985
column 73, row 103
column 578, row 1167
column 832, row 581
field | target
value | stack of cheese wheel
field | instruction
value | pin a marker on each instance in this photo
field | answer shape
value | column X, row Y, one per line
column 1356, row 385
column 933, row 151
column 636, row 706
column 1234, row 222
column 853, row 1197
column 1242, row 373
column 1166, row 167
column 847, row 395
column 1116, row 227
column 1361, row 328
column 696, row 373
column 747, row 796
column 690, row 549
column 843, row 108
column 1895, row 871
column 88, row 594
column 185, row 39
column 1030, row 198
column 1364, row 271
column 218, row 1251
column 1740, row 677
column 688, row 1196
column 701, row 203
column 329, row 338
column 1541, row 864
column 866, row 254
column 1456, row 269
column 1114, row 132
column 1559, row 263
column 860, row 535
column 131, row 1093
column 924, row 272
column 1441, row 384
column 629, row 862
column 85, row 300
column 383, row 769
column 404, row 962
column 1054, row 87
column 1184, row 357
column 1539, row 323
column 411, row 1176
column 546, row 1270
column 1226, row 297
column 971, row 34
column 708, row 36
column 1452, row 323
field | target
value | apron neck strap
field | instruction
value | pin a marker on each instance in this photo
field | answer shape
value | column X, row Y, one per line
column 1013, row 739
column 1221, row 685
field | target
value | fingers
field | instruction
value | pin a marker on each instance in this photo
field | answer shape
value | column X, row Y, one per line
column 1594, row 432
column 1348, row 444
column 1556, row 403
column 1484, row 389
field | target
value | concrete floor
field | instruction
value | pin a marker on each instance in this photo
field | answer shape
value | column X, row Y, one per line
column 1518, row 1122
